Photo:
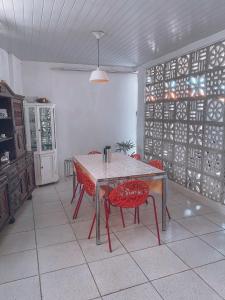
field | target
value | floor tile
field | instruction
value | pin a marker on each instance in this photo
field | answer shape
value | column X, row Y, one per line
column 26, row 209
column 191, row 252
column 17, row 242
column 50, row 219
column 95, row 252
column 216, row 240
column 70, row 284
column 64, row 185
column 174, row 232
column 22, row 223
column 23, row 289
column 45, row 196
column 60, row 256
column 116, row 222
column 140, row 292
column 116, row 273
column 158, row 261
column 217, row 218
column 82, row 228
column 18, row 265
column 181, row 211
column 47, row 207
column 137, row 238
column 214, row 275
column 147, row 215
column 54, row 235
column 184, row 286
column 86, row 212
column 66, row 196
column 199, row 225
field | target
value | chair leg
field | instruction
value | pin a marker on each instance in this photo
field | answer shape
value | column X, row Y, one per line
column 156, row 219
column 138, row 215
column 78, row 203
column 121, row 212
column 168, row 213
column 135, row 215
column 107, row 225
column 92, row 225
column 74, row 193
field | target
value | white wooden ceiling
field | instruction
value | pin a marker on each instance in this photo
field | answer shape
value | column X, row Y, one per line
column 137, row 31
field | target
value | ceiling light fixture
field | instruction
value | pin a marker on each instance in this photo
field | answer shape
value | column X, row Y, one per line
column 98, row 76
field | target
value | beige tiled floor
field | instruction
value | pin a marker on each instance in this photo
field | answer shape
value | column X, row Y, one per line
column 46, row 255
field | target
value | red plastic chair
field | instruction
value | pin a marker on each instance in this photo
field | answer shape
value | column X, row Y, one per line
column 78, row 171
column 80, row 183
column 130, row 194
column 89, row 187
column 159, row 165
column 94, row 152
column 136, row 156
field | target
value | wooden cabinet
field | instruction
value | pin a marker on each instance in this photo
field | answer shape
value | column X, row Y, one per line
column 30, row 177
column 4, row 206
column 20, row 141
column 41, row 138
column 16, row 175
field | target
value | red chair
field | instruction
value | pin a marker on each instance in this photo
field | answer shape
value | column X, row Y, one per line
column 130, row 194
column 80, row 183
column 78, row 172
column 136, row 156
column 159, row 165
column 94, row 152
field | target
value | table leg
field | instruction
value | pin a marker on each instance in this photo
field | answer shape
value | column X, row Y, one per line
column 164, row 199
column 98, row 234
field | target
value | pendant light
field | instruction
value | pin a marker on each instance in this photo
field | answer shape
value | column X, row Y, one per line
column 98, row 76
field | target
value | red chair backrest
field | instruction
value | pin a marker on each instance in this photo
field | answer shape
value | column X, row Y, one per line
column 156, row 163
column 94, row 152
column 89, row 185
column 79, row 172
column 136, row 156
column 129, row 194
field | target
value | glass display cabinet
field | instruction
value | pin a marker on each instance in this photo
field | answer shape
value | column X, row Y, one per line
column 41, row 139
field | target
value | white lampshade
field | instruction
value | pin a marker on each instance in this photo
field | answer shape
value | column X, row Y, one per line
column 98, row 76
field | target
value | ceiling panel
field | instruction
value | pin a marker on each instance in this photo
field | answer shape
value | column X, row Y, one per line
column 137, row 31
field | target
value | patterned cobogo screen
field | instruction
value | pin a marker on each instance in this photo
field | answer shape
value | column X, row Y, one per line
column 185, row 119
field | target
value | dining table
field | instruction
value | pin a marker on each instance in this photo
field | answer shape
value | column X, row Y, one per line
column 121, row 167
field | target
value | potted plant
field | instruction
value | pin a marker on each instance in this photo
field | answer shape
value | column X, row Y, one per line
column 125, row 146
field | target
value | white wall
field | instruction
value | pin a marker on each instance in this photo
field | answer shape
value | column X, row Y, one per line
column 87, row 116
column 10, row 71
column 4, row 66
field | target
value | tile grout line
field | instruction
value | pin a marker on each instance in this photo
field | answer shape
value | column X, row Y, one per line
column 110, row 257
column 35, row 234
column 142, row 271
column 140, row 267
column 193, row 270
column 83, row 255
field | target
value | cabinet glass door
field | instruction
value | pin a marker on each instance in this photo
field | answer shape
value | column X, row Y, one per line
column 45, row 114
column 32, row 121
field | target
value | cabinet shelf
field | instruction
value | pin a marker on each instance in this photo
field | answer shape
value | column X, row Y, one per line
column 5, row 139
column 8, row 118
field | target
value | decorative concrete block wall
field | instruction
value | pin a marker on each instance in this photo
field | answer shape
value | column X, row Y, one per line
column 185, row 119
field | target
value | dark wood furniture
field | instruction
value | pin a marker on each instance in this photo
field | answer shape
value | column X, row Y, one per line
column 17, row 176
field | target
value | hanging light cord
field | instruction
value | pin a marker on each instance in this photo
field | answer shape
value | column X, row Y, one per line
column 98, row 52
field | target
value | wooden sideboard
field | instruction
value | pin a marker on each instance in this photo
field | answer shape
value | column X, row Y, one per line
column 17, row 175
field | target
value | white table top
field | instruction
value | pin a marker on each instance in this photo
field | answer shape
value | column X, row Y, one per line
column 120, row 166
